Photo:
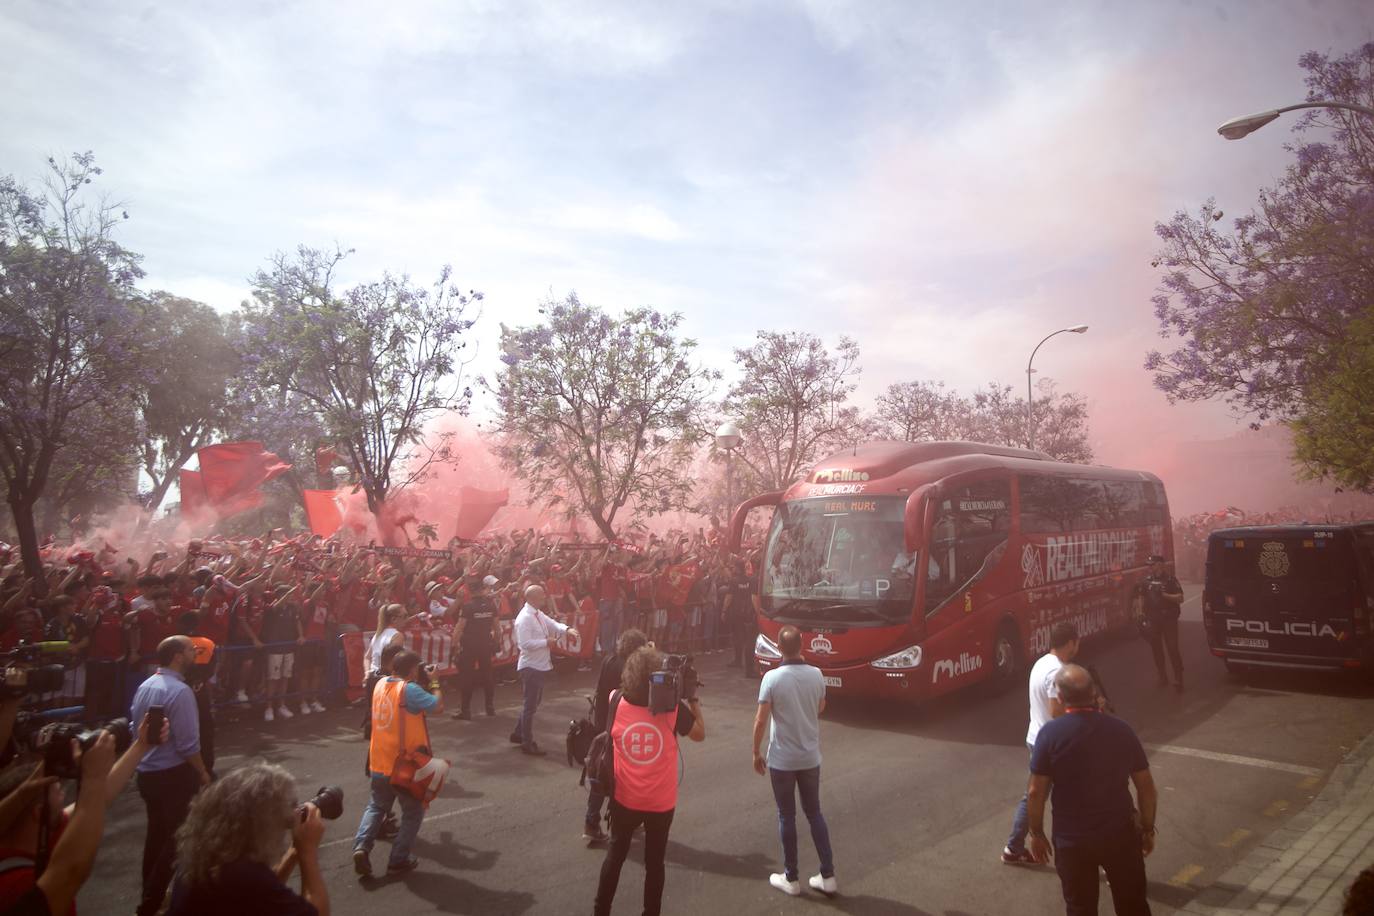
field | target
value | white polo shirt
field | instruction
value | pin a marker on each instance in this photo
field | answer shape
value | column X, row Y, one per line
column 1042, row 690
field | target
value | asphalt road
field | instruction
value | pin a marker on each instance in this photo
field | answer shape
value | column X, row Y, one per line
column 919, row 800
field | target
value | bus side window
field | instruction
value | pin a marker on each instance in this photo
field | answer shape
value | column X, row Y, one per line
column 971, row 523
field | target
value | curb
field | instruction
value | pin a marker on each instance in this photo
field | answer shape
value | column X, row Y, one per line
column 1305, row 865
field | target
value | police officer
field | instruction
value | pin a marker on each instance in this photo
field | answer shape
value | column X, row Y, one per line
column 739, row 610
column 477, row 636
column 1163, row 599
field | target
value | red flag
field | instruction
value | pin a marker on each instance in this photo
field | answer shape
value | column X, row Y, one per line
column 232, row 472
column 192, row 493
column 325, row 456
column 322, row 512
column 476, row 508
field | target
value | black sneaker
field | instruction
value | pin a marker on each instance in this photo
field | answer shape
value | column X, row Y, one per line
column 516, row 739
column 400, row 868
column 533, row 750
column 491, row 711
column 464, row 715
column 593, row 834
column 362, row 865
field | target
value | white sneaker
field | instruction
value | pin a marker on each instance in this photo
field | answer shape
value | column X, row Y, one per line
column 317, row 706
column 826, row 886
column 305, row 708
column 284, row 712
column 790, row 888
column 242, row 697
column 267, row 714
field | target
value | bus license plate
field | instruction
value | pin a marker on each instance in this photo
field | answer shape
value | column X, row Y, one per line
column 1242, row 643
column 833, row 682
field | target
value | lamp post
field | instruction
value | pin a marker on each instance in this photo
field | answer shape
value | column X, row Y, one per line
column 728, row 437
column 1030, row 392
column 1236, row 128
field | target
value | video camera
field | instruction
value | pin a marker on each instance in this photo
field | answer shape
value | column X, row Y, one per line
column 23, row 672
column 676, row 681
column 53, row 742
column 330, row 802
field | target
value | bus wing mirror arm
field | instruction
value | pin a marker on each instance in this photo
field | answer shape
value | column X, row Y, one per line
column 742, row 512
column 916, row 519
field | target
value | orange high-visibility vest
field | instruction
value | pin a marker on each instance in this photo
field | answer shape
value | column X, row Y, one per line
column 388, row 709
column 204, row 649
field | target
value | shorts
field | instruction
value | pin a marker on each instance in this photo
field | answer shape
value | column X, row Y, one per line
column 660, row 617
column 280, row 665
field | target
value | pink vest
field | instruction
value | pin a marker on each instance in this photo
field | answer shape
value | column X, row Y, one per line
column 645, row 758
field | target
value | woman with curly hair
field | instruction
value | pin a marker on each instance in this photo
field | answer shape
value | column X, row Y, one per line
column 644, row 744
column 241, row 841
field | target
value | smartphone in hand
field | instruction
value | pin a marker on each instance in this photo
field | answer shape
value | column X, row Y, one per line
column 156, row 716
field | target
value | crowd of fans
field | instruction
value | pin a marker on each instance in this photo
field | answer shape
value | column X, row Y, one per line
column 276, row 604
column 1191, row 532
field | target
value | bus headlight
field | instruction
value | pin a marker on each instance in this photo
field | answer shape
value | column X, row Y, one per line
column 909, row 657
column 765, row 648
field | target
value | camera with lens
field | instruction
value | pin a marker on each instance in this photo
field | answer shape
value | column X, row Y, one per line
column 676, row 681
column 330, row 802
column 22, row 671
column 53, row 742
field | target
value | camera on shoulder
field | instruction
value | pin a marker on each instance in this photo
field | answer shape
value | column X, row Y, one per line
column 675, row 682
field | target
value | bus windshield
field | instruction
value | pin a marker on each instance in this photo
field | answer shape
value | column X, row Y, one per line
column 838, row 559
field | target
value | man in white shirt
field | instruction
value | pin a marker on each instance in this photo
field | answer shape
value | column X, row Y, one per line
column 1044, row 706
column 535, row 634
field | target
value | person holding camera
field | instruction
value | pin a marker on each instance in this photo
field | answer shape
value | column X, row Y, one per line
column 170, row 776
column 792, row 698
column 31, row 809
column 629, row 642
column 1089, row 759
column 645, row 749
column 241, row 841
column 1163, row 604
column 399, row 727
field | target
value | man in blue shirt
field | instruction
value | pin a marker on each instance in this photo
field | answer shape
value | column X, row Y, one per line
column 793, row 697
column 1090, row 759
column 169, row 776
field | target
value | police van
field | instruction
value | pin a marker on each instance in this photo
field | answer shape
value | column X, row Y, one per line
column 1291, row 596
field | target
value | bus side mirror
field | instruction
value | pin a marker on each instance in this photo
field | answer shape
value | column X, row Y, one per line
column 915, row 519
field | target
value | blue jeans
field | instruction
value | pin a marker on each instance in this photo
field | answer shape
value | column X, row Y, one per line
column 1020, row 824
column 786, row 785
column 532, row 685
column 378, row 807
column 594, row 802
column 608, row 626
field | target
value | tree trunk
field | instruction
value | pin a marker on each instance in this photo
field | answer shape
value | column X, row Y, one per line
column 603, row 526
column 22, row 511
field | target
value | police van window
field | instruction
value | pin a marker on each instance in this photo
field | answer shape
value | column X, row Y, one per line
column 971, row 522
column 1313, row 561
column 1364, row 551
column 1058, row 505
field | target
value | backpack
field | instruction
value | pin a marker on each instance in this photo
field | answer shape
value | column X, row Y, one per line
column 600, row 765
column 580, row 734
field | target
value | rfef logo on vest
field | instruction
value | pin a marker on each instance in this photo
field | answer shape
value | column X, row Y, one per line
column 642, row 743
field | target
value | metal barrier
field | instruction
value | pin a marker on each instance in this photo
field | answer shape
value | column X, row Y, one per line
column 229, row 662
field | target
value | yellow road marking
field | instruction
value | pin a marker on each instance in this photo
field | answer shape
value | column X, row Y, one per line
column 1185, row 874
column 1237, row 836
column 1309, row 783
column 1276, row 808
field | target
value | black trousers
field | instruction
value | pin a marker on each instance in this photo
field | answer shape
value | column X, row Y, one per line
column 744, row 630
column 1120, row 856
column 1164, row 635
column 167, row 797
column 474, row 668
column 624, row 822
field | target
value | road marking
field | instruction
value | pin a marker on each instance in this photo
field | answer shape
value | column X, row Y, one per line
column 1309, row 783
column 428, row 818
column 1236, row 758
column 1275, row 808
column 1185, row 874
column 1237, row 836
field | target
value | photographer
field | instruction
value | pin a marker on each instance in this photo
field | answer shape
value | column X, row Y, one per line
column 630, row 642
column 241, row 841
column 29, row 796
column 645, row 777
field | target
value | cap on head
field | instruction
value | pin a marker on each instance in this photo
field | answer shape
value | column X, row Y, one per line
column 491, row 582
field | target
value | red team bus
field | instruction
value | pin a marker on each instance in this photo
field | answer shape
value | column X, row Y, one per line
column 916, row 569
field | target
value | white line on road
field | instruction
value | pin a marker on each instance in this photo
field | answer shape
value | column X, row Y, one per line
column 1235, row 758
column 428, row 818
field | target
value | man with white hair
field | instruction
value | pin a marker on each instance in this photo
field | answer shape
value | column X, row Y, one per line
column 535, row 634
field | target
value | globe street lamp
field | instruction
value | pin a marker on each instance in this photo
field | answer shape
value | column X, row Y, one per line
column 1030, row 393
column 1236, row 128
column 728, row 437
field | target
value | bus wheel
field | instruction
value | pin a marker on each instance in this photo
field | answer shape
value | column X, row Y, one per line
column 1006, row 657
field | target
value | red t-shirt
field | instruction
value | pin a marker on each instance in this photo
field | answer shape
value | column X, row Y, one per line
column 610, row 583
column 646, row 755
column 249, row 610
column 153, row 628
column 313, row 619
column 107, row 634
column 214, row 616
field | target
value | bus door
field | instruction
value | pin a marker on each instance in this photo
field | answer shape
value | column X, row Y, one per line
column 1289, row 593
column 967, row 538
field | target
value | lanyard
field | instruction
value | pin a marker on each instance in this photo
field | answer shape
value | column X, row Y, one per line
column 1080, row 709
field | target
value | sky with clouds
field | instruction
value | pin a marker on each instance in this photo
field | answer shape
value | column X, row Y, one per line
column 943, row 182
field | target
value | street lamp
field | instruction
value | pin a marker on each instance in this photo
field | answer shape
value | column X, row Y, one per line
column 728, row 437
column 1030, row 392
column 1236, row 128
